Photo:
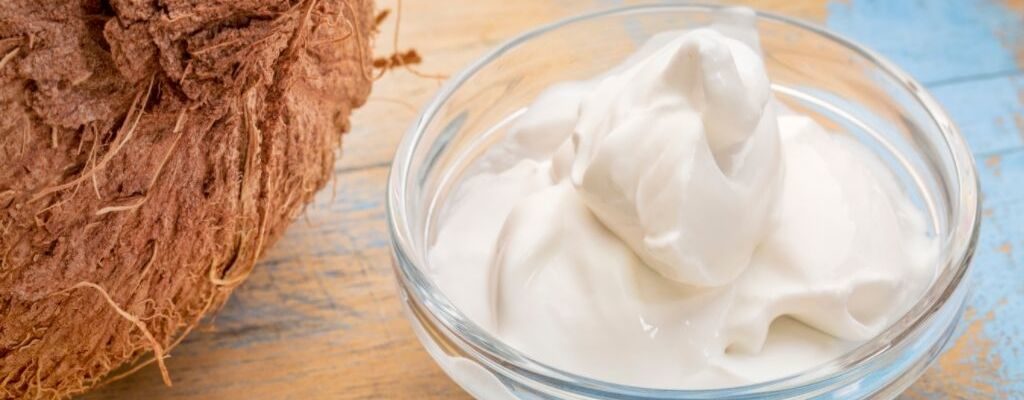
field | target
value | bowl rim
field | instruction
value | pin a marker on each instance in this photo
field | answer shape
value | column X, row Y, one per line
column 959, row 244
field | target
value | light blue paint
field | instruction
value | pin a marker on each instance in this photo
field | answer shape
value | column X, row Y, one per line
column 999, row 279
column 933, row 40
column 954, row 47
column 984, row 111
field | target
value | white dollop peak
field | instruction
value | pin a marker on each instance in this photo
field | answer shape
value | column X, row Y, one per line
column 679, row 156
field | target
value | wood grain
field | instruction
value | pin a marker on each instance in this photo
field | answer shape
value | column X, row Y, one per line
column 319, row 317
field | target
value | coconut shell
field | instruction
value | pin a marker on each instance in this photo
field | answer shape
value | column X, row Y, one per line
column 150, row 151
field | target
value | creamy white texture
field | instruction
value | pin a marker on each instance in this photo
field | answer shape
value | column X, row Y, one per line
column 679, row 156
column 670, row 225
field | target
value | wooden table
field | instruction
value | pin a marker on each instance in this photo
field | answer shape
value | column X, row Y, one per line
column 319, row 317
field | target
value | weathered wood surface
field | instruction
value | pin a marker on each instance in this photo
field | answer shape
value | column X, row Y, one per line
column 319, row 317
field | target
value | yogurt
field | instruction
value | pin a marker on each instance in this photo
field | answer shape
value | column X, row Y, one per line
column 670, row 224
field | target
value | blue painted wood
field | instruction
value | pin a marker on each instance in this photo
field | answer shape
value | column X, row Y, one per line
column 966, row 54
column 936, row 41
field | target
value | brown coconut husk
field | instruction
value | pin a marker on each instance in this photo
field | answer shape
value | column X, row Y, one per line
column 149, row 152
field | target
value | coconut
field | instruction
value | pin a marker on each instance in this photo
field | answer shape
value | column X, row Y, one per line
column 150, row 151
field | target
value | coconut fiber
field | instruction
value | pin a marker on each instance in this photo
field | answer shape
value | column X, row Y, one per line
column 150, row 150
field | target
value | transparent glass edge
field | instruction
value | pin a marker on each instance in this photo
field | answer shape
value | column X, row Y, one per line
column 964, row 228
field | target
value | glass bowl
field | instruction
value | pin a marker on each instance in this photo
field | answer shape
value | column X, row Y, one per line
column 845, row 87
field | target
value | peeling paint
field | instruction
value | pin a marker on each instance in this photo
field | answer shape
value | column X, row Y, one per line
column 1018, row 120
column 936, row 41
column 969, row 369
column 1017, row 8
column 992, row 162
